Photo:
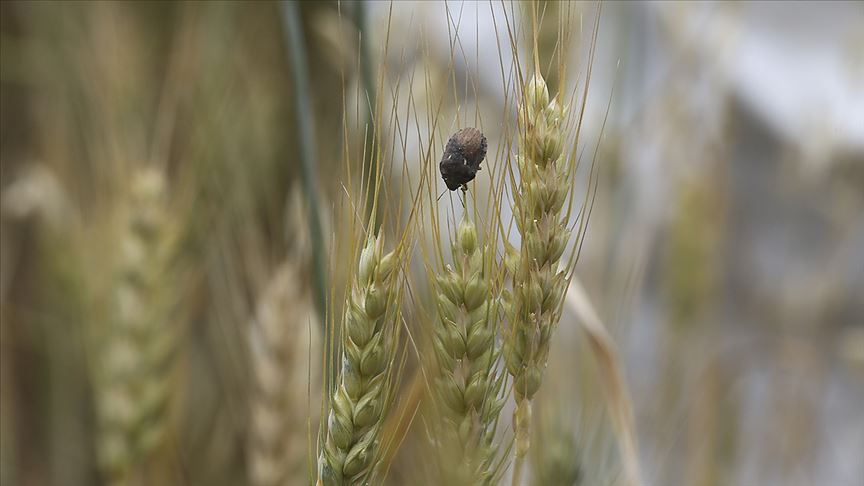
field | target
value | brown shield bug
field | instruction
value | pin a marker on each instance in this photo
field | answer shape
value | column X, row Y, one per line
column 465, row 150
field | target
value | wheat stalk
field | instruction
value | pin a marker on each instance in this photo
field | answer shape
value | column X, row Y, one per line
column 466, row 386
column 534, row 307
column 359, row 403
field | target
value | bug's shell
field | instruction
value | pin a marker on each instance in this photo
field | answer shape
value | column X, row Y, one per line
column 463, row 154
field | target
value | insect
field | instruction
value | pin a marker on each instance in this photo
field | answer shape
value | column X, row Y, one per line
column 463, row 154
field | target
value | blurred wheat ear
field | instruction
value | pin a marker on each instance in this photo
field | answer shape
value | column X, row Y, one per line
column 136, row 343
column 284, row 336
column 556, row 458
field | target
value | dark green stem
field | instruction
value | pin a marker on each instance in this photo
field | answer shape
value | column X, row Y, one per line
column 304, row 120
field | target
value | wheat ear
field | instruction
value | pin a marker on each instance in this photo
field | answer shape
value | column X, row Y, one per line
column 556, row 457
column 359, row 403
column 133, row 381
column 466, row 385
column 534, row 307
column 283, row 334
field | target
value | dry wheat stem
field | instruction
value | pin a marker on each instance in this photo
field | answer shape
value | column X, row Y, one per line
column 359, row 402
column 617, row 393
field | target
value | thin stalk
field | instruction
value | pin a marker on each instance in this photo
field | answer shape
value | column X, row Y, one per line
column 304, row 120
column 518, row 465
column 370, row 160
column 522, row 426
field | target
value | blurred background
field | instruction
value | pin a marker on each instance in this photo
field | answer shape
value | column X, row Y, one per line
column 169, row 172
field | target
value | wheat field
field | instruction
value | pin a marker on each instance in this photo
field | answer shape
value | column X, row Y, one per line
column 410, row 243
